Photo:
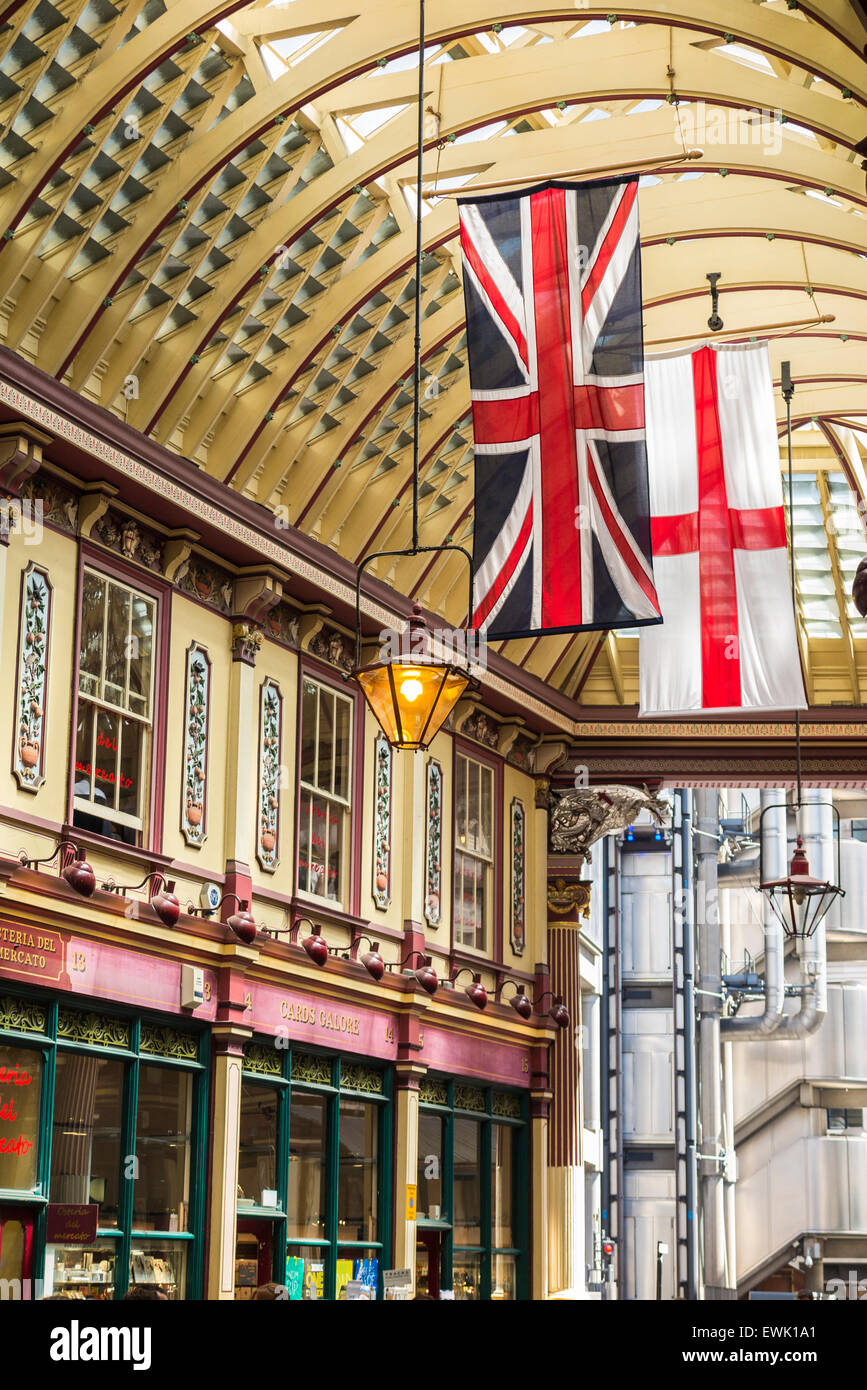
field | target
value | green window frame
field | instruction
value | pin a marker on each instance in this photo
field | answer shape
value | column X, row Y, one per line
column 454, row 1100
column 58, row 1027
column 331, row 1079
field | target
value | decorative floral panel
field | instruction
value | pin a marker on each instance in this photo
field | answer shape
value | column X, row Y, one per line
column 270, row 735
column 519, row 876
column 382, row 822
column 264, row 1060
column 95, row 1029
column 28, row 753
column 196, row 716
column 354, row 1076
column 168, row 1042
column 433, row 844
column 506, row 1104
column 469, row 1098
column 307, row 1067
column 20, row 1016
column 432, row 1091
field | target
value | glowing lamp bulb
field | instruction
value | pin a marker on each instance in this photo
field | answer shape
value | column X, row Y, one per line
column 411, row 688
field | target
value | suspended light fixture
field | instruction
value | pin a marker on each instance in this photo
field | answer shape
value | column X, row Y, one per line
column 558, row 1013
column 411, row 694
column 799, row 902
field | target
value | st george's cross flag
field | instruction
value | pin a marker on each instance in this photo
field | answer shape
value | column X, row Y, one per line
column 552, row 284
column 727, row 640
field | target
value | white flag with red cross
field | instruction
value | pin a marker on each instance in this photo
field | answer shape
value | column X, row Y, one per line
column 718, row 533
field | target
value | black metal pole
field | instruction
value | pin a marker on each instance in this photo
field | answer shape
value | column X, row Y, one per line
column 416, row 399
column 788, row 387
column 658, row 1274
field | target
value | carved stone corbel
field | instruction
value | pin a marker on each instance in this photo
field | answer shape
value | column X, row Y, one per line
column 20, row 454
column 255, row 593
column 176, row 553
column 93, row 504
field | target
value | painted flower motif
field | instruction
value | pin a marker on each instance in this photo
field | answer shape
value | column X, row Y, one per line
column 269, row 777
column 195, row 759
column 382, row 823
column 32, row 671
column 433, row 855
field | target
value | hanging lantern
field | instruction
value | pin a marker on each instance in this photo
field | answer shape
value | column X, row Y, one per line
column 413, row 695
column 800, row 902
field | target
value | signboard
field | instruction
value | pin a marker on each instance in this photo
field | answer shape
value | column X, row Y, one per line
column 411, row 1200
column 34, row 954
column 71, row 1225
column 396, row 1278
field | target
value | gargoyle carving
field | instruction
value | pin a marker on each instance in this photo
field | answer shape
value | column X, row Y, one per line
column 581, row 817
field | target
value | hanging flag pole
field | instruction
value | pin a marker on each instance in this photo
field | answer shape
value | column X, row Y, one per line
column 788, row 389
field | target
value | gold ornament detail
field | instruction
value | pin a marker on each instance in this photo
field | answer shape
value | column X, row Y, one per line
column 566, row 897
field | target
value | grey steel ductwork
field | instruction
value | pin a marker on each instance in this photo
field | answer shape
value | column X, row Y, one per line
column 774, row 846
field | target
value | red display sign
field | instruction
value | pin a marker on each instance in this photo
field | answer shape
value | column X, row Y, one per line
column 71, row 1225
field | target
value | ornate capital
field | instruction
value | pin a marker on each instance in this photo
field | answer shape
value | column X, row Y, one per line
column 543, row 793
column 564, row 898
column 246, row 641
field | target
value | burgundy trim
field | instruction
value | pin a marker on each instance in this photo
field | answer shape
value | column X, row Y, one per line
column 494, row 949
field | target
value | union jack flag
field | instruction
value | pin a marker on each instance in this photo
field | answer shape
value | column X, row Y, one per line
column 552, row 284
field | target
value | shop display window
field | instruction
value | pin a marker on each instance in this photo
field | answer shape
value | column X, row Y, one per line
column 305, row 1272
column 257, row 1154
column 20, row 1110
column 162, row 1264
column 467, row 1275
column 357, row 1175
column 87, row 1270
column 430, row 1204
column 107, row 1125
column 86, row 1132
column 473, row 1221
column 307, row 1175
column 468, row 1182
column 162, row 1185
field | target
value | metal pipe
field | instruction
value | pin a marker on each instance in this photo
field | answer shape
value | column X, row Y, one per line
column 774, row 851
column 705, row 850
column 690, row 1105
column 816, row 827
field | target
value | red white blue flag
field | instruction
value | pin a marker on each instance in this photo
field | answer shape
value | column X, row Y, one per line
column 552, row 283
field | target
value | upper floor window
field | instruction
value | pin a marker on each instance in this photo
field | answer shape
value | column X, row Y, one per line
column 324, row 805
column 474, row 852
column 115, row 708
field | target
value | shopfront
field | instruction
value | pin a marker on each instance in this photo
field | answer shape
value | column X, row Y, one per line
column 314, row 1174
column 102, row 1149
column 473, row 1184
